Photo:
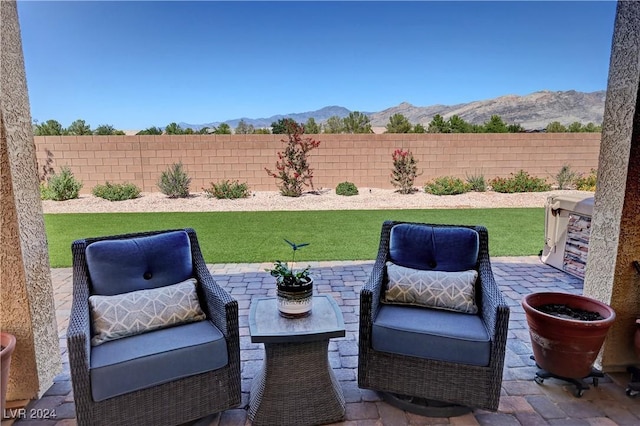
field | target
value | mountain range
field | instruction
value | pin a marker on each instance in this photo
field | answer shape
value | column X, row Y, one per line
column 532, row 111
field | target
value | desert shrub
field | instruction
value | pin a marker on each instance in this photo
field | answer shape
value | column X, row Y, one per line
column 292, row 168
column 446, row 185
column 587, row 183
column 346, row 188
column 565, row 177
column 520, row 182
column 60, row 186
column 405, row 171
column 174, row 182
column 227, row 189
column 116, row 191
column 476, row 183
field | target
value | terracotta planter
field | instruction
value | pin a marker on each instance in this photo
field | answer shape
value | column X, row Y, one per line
column 295, row 301
column 8, row 343
column 566, row 347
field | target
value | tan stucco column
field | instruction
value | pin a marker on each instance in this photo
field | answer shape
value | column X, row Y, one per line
column 26, row 295
column 615, row 228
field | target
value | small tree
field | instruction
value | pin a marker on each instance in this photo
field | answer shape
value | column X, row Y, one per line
column 79, row 128
column 173, row 129
column 334, row 124
column 311, row 127
column 357, row 122
column 495, row 125
column 292, row 168
column 107, row 129
column 48, row 128
column 398, row 123
column 244, row 129
column 458, row 125
column 150, row 131
column 222, row 129
column 281, row 127
column 419, row 128
column 405, row 171
column 556, row 127
column 438, row 125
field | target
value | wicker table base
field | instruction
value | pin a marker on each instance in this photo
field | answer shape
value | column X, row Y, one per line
column 296, row 385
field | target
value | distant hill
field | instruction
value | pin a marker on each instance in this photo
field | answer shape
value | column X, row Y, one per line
column 533, row 111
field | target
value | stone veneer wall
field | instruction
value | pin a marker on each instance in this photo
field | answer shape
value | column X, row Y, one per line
column 362, row 159
column 576, row 248
column 26, row 302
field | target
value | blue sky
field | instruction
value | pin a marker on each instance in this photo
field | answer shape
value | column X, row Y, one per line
column 139, row 64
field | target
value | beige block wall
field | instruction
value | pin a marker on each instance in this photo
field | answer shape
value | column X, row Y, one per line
column 362, row 159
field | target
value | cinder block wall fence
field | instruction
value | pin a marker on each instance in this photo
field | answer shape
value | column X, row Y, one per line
column 362, row 159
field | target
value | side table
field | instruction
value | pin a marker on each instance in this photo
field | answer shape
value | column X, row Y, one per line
column 296, row 385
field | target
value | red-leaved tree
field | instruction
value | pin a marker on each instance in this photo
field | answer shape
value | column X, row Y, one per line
column 292, row 168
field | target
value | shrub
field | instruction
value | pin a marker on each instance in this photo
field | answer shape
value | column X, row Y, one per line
column 520, row 182
column 292, row 168
column 116, row 191
column 566, row 177
column 60, row 187
column 446, row 185
column 174, row 182
column 476, row 183
column 587, row 183
column 227, row 189
column 405, row 171
column 346, row 188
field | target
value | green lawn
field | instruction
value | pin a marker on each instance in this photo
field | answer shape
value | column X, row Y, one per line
column 239, row 237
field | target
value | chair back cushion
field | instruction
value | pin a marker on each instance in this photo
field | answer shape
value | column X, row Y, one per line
column 434, row 248
column 121, row 266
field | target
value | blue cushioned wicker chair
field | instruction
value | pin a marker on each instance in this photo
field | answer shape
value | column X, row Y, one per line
column 171, row 374
column 433, row 359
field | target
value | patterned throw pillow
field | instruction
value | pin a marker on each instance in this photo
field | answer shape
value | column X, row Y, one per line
column 139, row 311
column 453, row 291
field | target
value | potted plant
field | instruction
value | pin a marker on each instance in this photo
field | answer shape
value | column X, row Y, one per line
column 295, row 288
column 567, row 331
column 7, row 345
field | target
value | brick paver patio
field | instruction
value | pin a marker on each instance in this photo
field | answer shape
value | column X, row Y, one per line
column 523, row 402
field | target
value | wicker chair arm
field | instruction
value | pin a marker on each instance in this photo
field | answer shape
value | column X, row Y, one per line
column 220, row 307
column 79, row 333
column 493, row 307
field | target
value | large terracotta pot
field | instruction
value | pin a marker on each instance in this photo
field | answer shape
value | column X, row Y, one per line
column 295, row 301
column 8, row 343
column 566, row 347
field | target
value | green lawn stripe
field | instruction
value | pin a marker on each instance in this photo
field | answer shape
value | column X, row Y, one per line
column 239, row 237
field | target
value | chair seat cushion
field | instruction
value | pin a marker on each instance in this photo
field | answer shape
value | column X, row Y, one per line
column 145, row 360
column 432, row 334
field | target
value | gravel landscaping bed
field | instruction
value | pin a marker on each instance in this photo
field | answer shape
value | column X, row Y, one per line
column 323, row 199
